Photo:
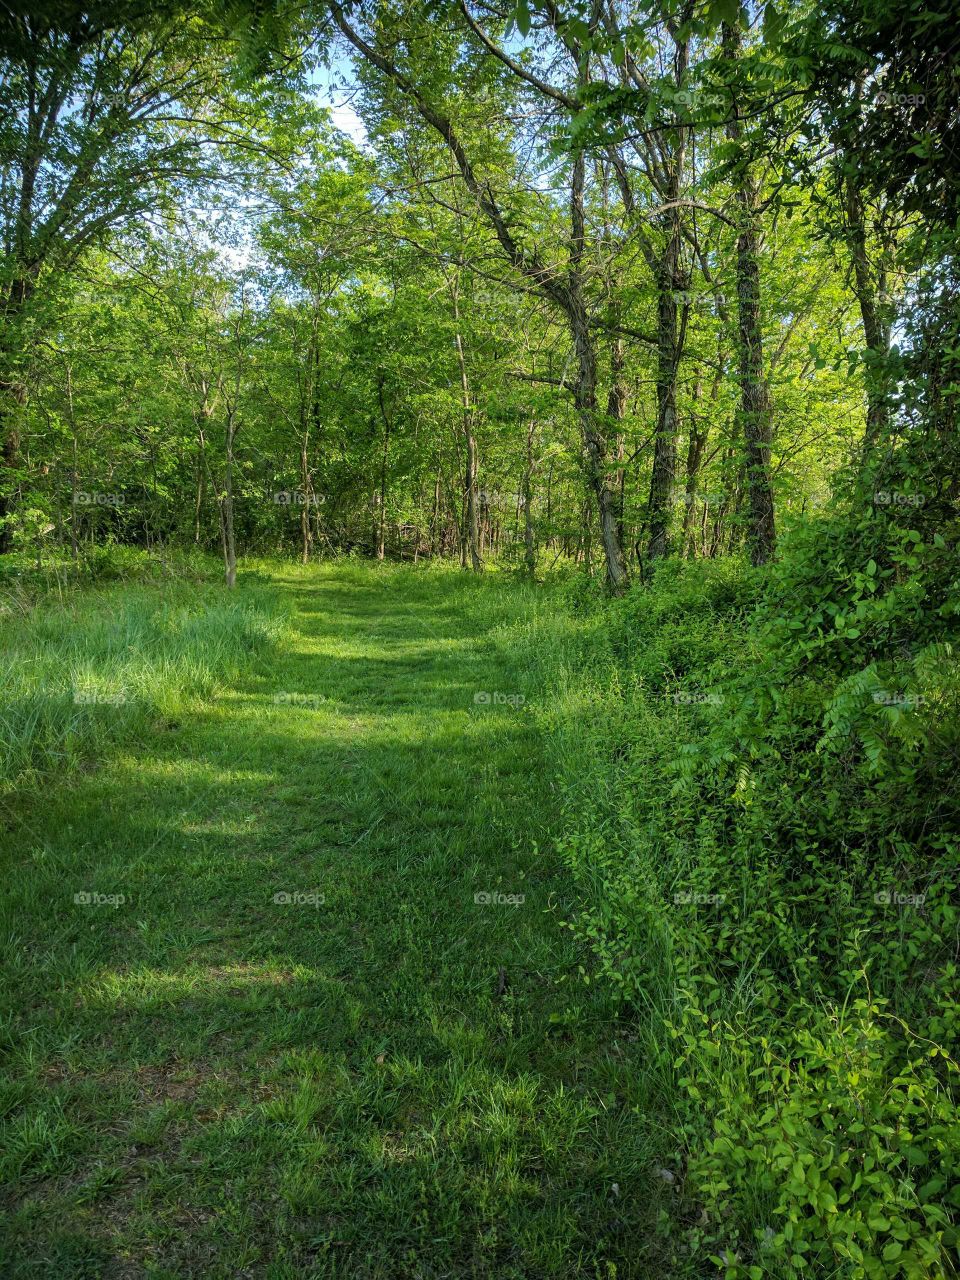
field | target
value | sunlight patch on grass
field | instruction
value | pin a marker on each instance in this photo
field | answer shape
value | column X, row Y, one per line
column 141, row 987
column 144, row 771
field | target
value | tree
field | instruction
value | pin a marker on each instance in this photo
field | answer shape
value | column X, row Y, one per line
column 109, row 112
column 563, row 285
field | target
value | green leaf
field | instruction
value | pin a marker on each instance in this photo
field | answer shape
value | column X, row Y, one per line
column 727, row 11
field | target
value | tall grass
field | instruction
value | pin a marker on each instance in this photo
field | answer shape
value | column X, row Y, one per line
column 84, row 673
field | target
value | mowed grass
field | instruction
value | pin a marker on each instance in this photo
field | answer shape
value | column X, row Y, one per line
column 379, row 1076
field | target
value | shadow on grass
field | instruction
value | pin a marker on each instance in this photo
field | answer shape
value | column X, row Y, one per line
column 377, row 1075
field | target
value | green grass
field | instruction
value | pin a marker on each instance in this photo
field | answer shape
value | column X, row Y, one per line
column 385, row 1078
column 99, row 667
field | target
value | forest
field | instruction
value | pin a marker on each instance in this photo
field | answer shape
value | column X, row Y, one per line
column 479, row 606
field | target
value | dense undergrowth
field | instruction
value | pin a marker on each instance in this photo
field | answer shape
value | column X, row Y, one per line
column 761, row 817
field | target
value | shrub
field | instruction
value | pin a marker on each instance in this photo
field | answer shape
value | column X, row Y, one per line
column 762, row 828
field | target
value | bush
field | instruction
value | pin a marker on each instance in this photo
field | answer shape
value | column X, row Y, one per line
column 767, row 855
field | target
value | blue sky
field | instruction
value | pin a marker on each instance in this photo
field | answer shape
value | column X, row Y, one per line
column 327, row 82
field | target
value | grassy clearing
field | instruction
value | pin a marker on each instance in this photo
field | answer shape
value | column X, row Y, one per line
column 375, row 1075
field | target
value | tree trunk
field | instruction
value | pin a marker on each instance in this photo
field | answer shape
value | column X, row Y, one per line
column 74, row 468
column 382, row 521
column 876, row 331
column 226, row 507
column 616, row 412
column 756, row 405
column 585, row 398
column 74, row 542
column 13, row 397
column 471, row 539
column 306, row 487
column 309, row 414
column 663, row 474
column 550, row 504
column 201, row 484
column 529, row 541
column 585, row 389
column 435, row 519
column 695, row 447
column 471, row 536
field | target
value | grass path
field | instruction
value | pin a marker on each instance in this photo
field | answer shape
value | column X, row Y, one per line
column 381, row 1078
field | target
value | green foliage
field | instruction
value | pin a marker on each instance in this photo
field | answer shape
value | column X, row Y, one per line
column 686, row 623
column 765, row 883
column 835, row 1152
column 548, row 286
